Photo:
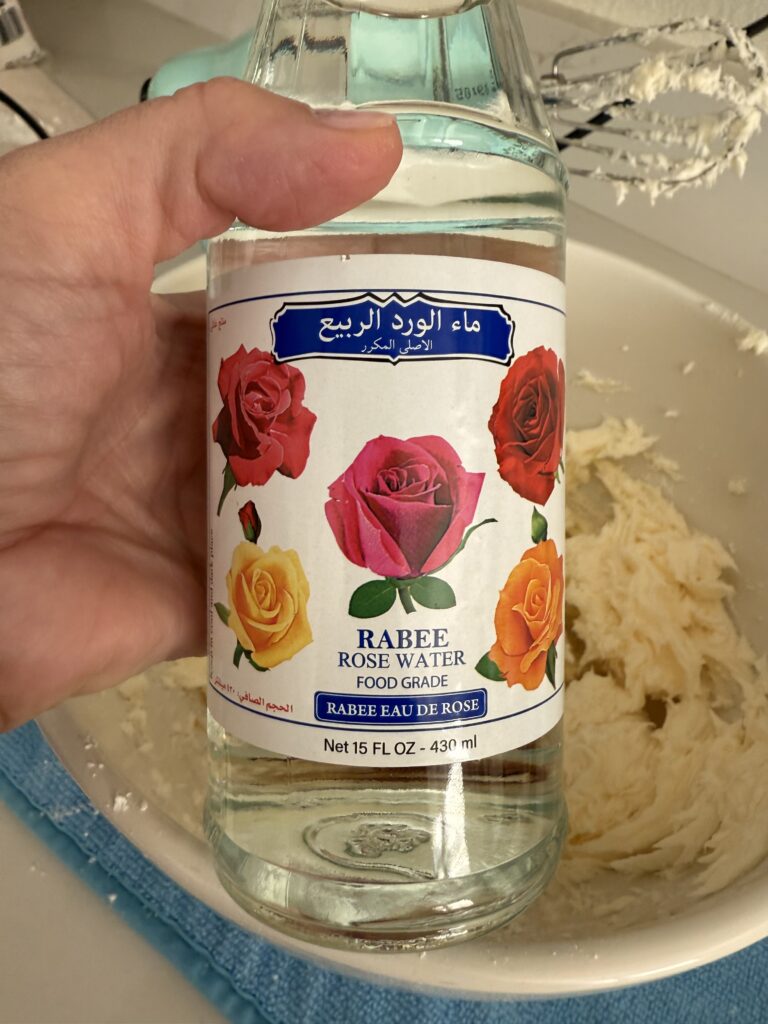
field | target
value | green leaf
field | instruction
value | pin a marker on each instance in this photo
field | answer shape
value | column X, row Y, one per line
column 229, row 483
column 430, row 592
column 463, row 544
column 223, row 612
column 489, row 669
column 551, row 662
column 539, row 527
column 254, row 664
column 239, row 652
column 372, row 599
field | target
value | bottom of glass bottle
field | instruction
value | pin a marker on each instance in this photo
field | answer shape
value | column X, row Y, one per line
column 390, row 875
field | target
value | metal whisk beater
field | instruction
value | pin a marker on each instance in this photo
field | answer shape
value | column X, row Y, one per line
column 612, row 119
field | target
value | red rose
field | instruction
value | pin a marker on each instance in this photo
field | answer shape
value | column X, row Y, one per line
column 402, row 507
column 527, row 424
column 263, row 425
column 250, row 521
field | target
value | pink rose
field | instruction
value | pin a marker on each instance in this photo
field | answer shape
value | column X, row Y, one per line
column 402, row 507
column 263, row 425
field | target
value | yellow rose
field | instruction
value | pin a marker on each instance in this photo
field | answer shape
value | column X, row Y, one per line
column 268, row 594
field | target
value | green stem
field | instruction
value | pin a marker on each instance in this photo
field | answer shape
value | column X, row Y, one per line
column 406, row 600
column 461, row 546
column 229, row 483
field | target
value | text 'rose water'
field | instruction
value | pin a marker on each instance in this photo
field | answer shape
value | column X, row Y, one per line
column 386, row 499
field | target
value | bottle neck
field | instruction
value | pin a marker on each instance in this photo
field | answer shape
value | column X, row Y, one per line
column 469, row 59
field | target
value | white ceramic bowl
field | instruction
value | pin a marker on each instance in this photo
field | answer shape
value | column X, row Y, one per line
column 626, row 322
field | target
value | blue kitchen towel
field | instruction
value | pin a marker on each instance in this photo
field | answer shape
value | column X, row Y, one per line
column 252, row 982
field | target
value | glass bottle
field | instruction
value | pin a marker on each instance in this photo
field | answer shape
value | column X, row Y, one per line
column 386, row 775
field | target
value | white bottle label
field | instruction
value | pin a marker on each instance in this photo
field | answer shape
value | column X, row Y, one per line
column 386, row 507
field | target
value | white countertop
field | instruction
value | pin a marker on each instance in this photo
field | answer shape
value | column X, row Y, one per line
column 65, row 954
column 66, row 957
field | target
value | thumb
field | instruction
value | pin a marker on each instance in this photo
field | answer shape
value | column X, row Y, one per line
column 170, row 172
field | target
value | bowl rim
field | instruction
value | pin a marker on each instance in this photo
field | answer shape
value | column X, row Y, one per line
column 587, row 966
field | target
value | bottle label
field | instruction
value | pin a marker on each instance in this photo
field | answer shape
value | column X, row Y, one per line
column 386, row 507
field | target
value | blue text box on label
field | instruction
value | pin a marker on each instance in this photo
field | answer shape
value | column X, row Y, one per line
column 393, row 329
column 401, row 711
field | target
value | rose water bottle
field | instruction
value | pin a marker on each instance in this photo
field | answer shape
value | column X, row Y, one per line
column 387, row 499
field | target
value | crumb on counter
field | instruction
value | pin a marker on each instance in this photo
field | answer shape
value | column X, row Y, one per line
column 747, row 336
column 663, row 463
column 738, row 486
column 601, row 385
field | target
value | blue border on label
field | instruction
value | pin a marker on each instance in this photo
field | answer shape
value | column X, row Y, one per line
column 407, row 291
column 386, row 732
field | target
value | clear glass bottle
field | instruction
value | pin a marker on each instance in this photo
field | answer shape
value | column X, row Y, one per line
column 380, row 853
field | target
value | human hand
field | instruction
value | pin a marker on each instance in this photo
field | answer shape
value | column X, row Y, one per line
column 102, row 386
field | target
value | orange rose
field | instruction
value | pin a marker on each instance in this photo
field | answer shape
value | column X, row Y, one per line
column 529, row 616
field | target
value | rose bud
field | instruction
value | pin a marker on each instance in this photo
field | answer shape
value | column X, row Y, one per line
column 250, row 522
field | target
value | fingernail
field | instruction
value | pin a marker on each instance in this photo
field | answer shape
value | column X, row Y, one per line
column 355, row 120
